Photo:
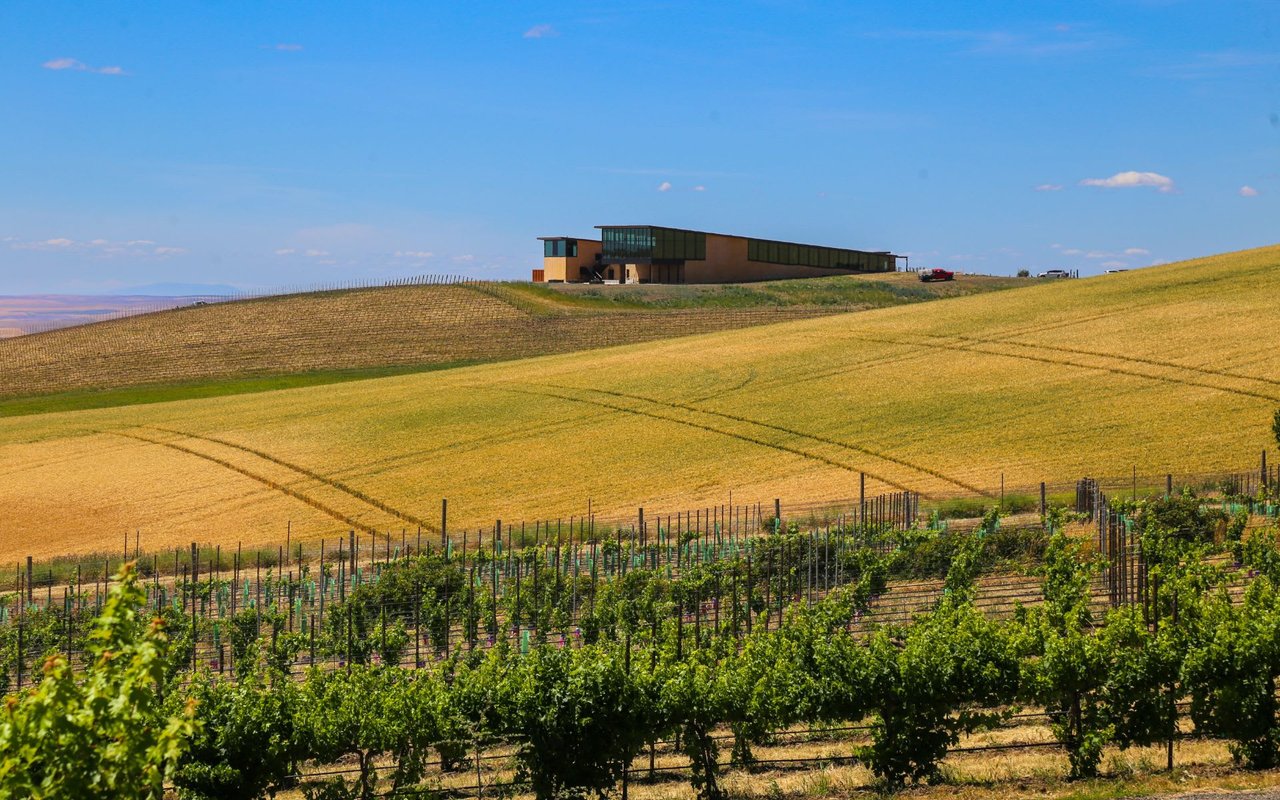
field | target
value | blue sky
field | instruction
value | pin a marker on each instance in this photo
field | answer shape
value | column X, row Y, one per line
column 260, row 145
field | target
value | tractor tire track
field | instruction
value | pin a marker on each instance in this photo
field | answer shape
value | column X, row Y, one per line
column 710, row 429
column 369, row 468
column 265, row 481
column 1115, row 357
column 935, row 343
column 403, row 516
column 866, row 451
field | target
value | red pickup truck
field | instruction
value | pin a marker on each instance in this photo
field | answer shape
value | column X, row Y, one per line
column 937, row 274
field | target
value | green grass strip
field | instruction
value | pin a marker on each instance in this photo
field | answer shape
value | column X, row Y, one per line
column 82, row 399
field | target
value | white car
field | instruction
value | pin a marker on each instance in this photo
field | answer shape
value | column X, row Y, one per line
column 1054, row 273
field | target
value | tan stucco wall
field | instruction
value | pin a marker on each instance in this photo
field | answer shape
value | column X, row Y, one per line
column 567, row 269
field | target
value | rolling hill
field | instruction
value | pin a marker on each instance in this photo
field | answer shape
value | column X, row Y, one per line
column 326, row 337
column 1171, row 368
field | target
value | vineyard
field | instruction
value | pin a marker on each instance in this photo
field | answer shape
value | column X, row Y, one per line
column 566, row 660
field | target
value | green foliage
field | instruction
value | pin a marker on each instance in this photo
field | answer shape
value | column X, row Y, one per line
column 1230, row 672
column 582, row 717
column 104, row 735
column 371, row 714
column 1064, row 665
column 927, row 690
column 248, row 745
column 1182, row 518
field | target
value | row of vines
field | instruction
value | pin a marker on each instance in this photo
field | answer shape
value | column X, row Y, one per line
column 577, row 718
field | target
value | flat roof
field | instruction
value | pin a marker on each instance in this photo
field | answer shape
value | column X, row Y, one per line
column 757, row 238
column 575, row 238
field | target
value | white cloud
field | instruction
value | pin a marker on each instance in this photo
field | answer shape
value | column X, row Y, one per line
column 414, row 254
column 1049, row 187
column 1038, row 43
column 102, row 248
column 1056, row 246
column 1137, row 251
column 542, row 31
column 286, row 47
column 1073, row 251
column 1115, row 264
column 1131, row 179
column 1248, row 191
column 665, row 186
column 699, row 188
column 285, row 251
column 76, row 65
column 314, row 253
column 464, row 258
column 1216, row 64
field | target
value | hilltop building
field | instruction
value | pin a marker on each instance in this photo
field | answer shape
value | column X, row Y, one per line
column 652, row 254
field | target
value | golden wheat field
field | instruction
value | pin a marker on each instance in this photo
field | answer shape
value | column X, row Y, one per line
column 421, row 325
column 1172, row 368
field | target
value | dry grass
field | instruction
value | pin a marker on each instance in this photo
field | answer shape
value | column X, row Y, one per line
column 1200, row 765
column 1168, row 369
column 418, row 326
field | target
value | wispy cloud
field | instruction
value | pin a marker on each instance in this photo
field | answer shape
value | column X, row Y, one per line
column 74, row 65
column 699, row 188
column 463, row 259
column 543, row 31
column 284, row 47
column 1049, row 187
column 418, row 254
column 1214, row 64
column 868, row 120
column 665, row 186
column 1034, row 43
column 314, row 253
column 1131, row 179
column 668, row 172
column 101, row 248
column 1248, row 191
column 285, row 251
column 1107, row 258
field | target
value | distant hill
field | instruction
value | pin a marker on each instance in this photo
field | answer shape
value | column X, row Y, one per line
column 353, row 333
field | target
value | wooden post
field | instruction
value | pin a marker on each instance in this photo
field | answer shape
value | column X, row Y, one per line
column 1043, row 507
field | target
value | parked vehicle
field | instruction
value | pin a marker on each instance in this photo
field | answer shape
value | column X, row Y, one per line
column 1114, row 271
column 937, row 274
column 1054, row 273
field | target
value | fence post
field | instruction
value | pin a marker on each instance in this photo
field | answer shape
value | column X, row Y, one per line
column 195, row 561
column 1043, row 507
column 1168, row 485
column 29, row 581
